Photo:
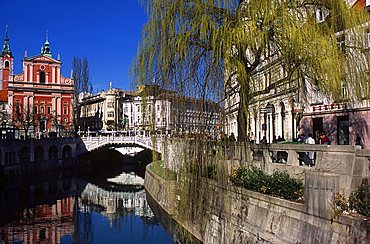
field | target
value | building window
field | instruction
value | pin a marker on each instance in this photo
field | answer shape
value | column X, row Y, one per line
column 282, row 71
column 49, row 110
column 343, row 130
column 18, row 107
column 42, row 109
column 282, row 113
column 110, row 114
column 6, row 64
column 42, row 77
column 344, row 90
column 266, row 80
column 65, row 108
column 269, row 82
column 35, row 109
column 320, row 16
column 42, row 234
column 341, row 43
column 110, row 105
column 317, row 128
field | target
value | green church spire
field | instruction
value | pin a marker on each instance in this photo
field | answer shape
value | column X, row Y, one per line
column 6, row 46
column 45, row 49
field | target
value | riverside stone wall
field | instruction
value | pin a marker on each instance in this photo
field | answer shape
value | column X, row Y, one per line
column 348, row 163
column 215, row 214
column 222, row 213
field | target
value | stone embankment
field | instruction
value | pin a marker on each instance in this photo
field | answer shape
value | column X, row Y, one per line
column 223, row 213
column 29, row 156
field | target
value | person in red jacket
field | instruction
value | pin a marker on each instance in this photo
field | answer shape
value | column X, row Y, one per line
column 324, row 140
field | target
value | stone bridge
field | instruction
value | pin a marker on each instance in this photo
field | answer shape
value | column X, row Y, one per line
column 146, row 142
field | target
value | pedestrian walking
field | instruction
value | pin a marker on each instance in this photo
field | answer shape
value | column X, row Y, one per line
column 310, row 154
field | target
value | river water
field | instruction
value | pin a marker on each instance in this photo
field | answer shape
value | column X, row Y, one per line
column 102, row 203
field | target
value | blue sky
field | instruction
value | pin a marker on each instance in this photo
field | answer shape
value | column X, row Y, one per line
column 105, row 32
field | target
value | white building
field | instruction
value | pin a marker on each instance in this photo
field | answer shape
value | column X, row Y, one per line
column 274, row 112
column 102, row 111
column 156, row 109
column 278, row 108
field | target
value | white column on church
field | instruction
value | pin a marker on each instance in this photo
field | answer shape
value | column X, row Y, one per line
column 11, row 101
column 25, row 72
column 53, row 75
column 31, row 73
column 31, row 100
column 53, row 104
column 25, row 103
column 59, row 105
column 58, row 75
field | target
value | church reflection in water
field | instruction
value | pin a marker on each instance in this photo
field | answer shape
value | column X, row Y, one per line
column 41, row 224
column 47, row 210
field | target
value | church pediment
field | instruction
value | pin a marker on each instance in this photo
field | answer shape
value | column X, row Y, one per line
column 42, row 59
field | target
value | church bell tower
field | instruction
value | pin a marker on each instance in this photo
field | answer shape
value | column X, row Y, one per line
column 6, row 62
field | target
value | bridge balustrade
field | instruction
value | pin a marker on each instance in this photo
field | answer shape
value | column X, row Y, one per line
column 93, row 143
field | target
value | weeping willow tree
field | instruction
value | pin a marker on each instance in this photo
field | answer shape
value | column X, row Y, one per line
column 203, row 48
column 200, row 48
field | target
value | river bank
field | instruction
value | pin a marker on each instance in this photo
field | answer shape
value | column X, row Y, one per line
column 215, row 213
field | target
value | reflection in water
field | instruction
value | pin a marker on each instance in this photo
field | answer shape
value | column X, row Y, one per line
column 83, row 209
column 127, row 179
column 41, row 224
column 117, row 204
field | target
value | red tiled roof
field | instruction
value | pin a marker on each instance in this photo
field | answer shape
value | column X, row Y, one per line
column 359, row 4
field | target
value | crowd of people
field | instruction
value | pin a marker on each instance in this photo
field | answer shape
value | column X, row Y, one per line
column 320, row 139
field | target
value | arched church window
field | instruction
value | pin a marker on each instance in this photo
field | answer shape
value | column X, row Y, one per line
column 42, row 77
column 6, row 64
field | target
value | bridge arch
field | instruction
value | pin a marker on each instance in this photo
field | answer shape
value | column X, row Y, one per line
column 67, row 152
column 39, row 153
column 145, row 142
column 24, row 154
column 53, row 152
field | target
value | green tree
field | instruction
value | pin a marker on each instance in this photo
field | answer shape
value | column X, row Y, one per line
column 202, row 47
